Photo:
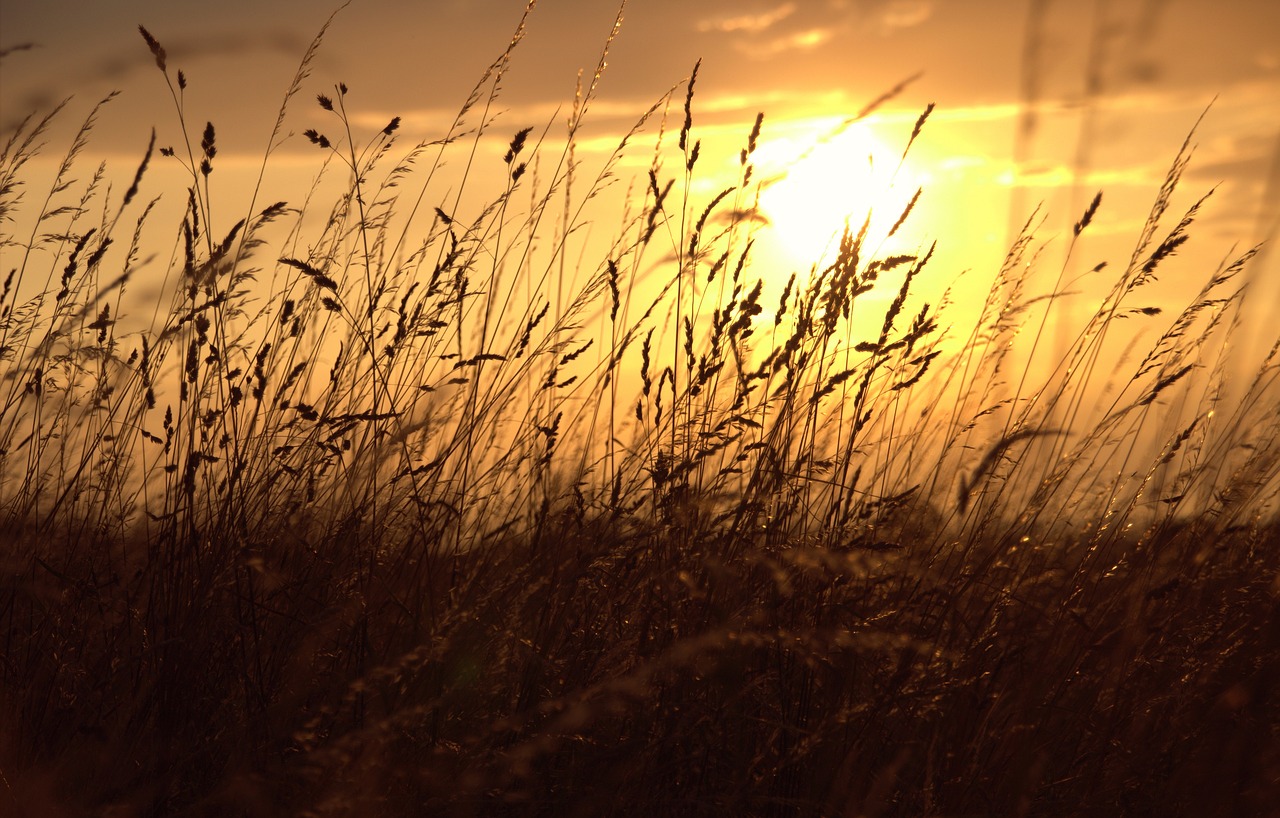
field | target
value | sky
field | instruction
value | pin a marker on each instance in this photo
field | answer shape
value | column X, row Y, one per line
column 1038, row 103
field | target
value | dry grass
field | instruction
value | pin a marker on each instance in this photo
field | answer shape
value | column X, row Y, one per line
column 392, row 518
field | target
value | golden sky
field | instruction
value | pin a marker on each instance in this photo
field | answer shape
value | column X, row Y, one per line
column 1037, row 101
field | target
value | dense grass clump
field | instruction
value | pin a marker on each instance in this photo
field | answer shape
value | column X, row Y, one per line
column 405, row 504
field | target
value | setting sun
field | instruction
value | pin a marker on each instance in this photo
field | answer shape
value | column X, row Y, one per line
column 831, row 175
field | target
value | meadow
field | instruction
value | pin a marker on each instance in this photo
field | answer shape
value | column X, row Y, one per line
column 403, row 506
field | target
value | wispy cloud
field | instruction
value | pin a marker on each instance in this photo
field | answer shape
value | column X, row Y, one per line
column 437, row 120
column 752, row 23
column 805, row 40
column 792, row 28
column 899, row 14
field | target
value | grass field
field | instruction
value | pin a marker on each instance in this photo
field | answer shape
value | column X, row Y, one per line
column 383, row 516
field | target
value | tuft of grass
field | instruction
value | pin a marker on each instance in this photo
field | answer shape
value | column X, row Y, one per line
column 411, row 502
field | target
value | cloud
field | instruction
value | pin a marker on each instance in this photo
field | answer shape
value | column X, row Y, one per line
column 751, row 23
column 899, row 14
column 1243, row 158
column 805, row 40
column 791, row 27
column 760, row 40
column 539, row 114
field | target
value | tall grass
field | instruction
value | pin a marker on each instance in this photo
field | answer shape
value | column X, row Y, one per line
column 429, row 507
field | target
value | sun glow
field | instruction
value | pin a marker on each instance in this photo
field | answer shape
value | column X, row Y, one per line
column 829, row 177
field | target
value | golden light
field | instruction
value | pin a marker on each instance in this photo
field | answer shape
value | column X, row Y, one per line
column 824, row 177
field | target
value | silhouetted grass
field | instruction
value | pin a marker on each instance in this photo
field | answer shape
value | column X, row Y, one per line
column 389, row 516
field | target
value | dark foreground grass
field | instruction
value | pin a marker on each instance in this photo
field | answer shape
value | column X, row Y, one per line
column 426, row 512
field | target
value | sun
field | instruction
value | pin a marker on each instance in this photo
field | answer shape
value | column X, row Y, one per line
column 826, row 176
